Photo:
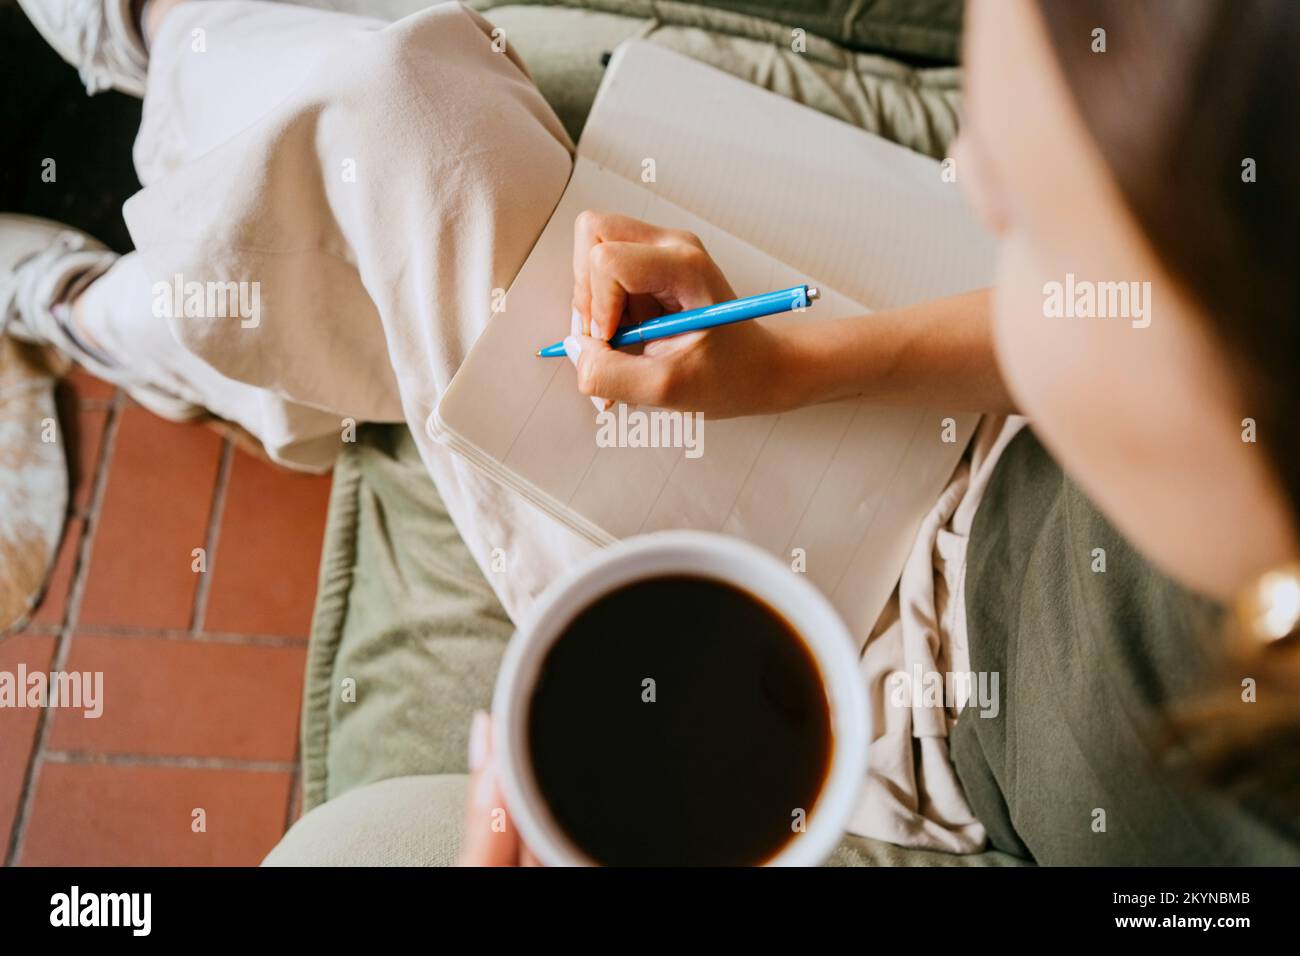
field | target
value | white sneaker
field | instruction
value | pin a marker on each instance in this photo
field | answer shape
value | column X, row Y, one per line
column 40, row 263
column 98, row 37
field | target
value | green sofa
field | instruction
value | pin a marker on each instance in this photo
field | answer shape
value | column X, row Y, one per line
column 407, row 633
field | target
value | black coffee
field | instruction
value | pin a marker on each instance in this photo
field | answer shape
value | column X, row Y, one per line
column 680, row 721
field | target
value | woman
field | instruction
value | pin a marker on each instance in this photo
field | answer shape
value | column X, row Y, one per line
column 1123, row 165
column 1130, row 165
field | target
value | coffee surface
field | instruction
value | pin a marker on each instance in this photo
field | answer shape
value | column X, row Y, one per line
column 680, row 721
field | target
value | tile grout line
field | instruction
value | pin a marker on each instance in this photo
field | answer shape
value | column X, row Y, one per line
column 75, row 510
column 84, row 758
column 218, row 510
column 71, row 611
column 207, row 637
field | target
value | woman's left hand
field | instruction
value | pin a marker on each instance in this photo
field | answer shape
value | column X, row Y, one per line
column 490, row 836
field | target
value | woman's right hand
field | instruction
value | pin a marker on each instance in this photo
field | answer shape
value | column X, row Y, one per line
column 626, row 271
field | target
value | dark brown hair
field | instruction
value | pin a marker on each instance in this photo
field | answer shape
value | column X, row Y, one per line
column 1190, row 102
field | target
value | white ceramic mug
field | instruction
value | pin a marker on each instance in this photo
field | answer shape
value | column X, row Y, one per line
column 693, row 553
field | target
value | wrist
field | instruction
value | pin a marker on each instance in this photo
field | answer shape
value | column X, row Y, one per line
column 803, row 375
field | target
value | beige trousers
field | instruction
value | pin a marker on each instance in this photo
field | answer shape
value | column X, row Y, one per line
column 345, row 195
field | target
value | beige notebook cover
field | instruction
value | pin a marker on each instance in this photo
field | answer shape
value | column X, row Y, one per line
column 780, row 195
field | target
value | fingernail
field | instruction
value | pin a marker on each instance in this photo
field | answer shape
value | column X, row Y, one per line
column 572, row 349
column 575, row 323
column 478, row 741
column 600, row 403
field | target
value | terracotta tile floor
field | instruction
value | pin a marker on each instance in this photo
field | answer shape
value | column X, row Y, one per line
column 202, row 669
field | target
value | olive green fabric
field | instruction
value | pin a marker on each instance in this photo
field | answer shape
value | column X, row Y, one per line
column 1070, row 770
column 917, row 108
column 927, row 29
column 407, row 635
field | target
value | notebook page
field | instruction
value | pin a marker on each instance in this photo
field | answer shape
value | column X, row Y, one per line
column 836, row 481
column 870, row 218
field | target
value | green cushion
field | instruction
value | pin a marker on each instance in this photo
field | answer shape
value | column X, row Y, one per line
column 929, row 29
column 407, row 635
column 562, row 46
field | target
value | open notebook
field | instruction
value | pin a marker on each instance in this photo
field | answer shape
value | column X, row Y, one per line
column 780, row 195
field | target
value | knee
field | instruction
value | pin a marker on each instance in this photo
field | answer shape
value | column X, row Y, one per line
column 442, row 78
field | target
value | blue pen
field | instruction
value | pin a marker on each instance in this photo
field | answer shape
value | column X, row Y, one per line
column 711, row 316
